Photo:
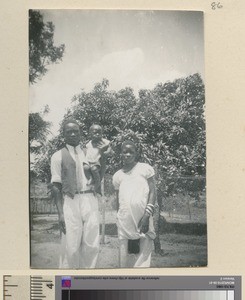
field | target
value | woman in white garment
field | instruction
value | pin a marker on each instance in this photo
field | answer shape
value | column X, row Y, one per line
column 135, row 190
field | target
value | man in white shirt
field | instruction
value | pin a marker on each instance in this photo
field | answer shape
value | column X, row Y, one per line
column 76, row 203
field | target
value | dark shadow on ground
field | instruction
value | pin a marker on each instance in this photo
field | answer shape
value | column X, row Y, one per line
column 167, row 227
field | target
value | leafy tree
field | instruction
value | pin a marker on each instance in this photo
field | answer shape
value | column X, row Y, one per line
column 38, row 144
column 166, row 122
column 42, row 51
column 40, row 168
column 38, row 130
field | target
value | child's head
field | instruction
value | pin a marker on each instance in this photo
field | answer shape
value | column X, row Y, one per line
column 95, row 132
column 129, row 152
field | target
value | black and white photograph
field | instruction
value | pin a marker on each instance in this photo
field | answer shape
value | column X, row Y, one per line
column 117, row 139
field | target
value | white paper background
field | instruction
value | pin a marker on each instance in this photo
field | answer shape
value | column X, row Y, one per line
column 225, row 109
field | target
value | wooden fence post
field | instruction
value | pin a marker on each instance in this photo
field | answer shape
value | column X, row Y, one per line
column 103, row 211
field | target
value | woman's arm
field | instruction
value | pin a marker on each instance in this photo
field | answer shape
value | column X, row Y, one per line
column 152, row 191
column 117, row 200
column 144, row 222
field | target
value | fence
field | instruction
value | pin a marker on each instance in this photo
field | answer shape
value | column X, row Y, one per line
column 42, row 206
column 184, row 197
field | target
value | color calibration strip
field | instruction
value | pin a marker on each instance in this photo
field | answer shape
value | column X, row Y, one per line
column 146, row 295
column 148, row 288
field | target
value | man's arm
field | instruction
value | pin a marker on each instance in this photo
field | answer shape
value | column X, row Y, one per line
column 105, row 148
column 56, row 188
column 144, row 222
column 57, row 196
column 109, row 152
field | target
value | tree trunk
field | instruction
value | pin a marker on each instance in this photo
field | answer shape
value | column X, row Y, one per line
column 156, row 222
column 157, row 218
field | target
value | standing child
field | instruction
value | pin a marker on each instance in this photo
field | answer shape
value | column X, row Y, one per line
column 135, row 188
column 97, row 150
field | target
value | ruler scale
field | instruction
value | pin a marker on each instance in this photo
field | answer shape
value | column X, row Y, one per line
column 28, row 287
column 16, row 287
column 121, row 287
column 42, row 287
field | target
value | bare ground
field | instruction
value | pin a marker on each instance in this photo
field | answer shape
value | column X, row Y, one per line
column 180, row 250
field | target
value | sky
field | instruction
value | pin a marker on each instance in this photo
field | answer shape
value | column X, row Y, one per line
column 129, row 48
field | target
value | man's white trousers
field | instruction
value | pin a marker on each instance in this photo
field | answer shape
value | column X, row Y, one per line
column 80, row 244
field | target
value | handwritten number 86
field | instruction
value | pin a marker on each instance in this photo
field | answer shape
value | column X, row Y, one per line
column 216, row 5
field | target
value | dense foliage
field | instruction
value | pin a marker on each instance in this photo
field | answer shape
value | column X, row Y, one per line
column 42, row 51
column 38, row 130
column 167, row 123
